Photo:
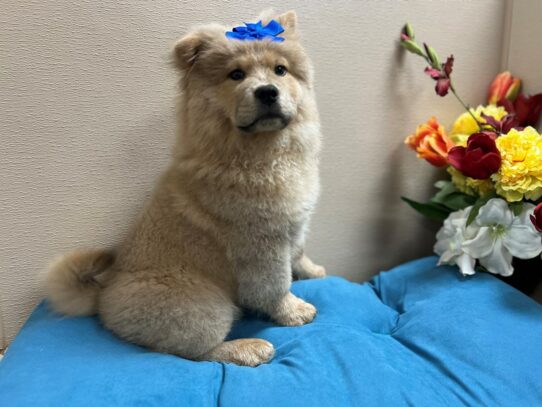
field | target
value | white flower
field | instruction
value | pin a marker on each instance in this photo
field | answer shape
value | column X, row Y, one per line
column 450, row 240
column 501, row 236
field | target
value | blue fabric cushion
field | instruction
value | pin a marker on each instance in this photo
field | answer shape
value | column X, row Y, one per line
column 417, row 335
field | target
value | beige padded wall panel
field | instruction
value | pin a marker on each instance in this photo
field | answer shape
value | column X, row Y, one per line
column 524, row 57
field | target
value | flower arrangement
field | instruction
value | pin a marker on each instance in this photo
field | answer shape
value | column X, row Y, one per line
column 491, row 207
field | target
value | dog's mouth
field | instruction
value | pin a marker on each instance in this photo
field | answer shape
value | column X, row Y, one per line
column 270, row 121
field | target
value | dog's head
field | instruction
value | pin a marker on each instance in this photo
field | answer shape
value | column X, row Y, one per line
column 253, row 86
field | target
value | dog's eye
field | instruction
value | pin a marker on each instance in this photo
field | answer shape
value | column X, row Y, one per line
column 280, row 70
column 237, row 75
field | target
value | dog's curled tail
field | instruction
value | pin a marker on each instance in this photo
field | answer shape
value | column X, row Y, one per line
column 72, row 288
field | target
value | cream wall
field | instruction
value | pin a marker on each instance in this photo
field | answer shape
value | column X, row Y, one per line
column 524, row 56
column 87, row 120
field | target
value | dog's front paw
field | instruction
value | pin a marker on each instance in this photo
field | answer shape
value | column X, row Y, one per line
column 294, row 312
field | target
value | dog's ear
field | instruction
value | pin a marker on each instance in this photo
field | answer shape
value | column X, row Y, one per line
column 289, row 21
column 201, row 40
column 185, row 51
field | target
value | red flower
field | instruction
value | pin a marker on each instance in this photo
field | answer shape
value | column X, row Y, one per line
column 502, row 126
column 527, row 109
column 479, row 159
column 536, row 217
column 442, row 76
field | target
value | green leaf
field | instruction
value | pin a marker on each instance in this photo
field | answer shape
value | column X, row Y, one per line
column 473, row 213
column 458, row 201
column 450, row 197
column 430, row 210
column 412, row 47
column 446, row 189
column 433, row 57
column 442, row 184
column 408, row 30
column 516, row 207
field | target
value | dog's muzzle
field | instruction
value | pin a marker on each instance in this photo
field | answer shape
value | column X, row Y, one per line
column 269, row 114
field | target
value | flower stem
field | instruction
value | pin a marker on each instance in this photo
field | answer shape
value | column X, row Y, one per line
column 467, row 108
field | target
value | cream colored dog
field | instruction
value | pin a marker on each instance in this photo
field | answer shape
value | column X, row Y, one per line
column 225, row 227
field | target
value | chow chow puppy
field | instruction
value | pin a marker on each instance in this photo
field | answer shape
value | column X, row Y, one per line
column 225, row 227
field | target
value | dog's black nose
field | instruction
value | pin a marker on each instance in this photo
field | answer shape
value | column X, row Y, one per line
column 267, row 94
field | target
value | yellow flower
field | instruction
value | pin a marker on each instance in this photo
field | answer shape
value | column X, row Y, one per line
column 520, row 175
column 465, row 125
column 460, row 140
column 470, row 186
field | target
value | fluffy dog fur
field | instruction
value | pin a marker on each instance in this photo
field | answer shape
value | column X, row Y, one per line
column 225, row 227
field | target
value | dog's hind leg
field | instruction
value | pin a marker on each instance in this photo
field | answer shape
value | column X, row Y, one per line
column 303, row 268
column 188, row 316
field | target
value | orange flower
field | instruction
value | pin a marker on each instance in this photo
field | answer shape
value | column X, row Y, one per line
column 431, row 142
column 504, row 87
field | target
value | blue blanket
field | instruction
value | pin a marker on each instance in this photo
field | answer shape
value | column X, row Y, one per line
column 417, row 335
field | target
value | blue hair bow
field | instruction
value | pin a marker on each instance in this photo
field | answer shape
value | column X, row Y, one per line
column 255, row 31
